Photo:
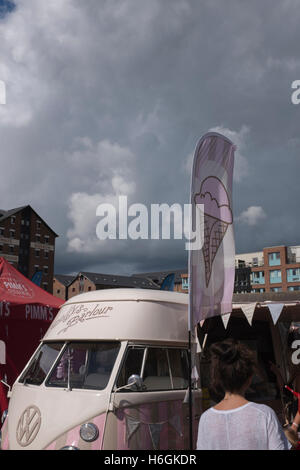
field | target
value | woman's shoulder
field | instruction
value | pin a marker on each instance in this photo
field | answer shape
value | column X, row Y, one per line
column 206, row 414
column 262, row 408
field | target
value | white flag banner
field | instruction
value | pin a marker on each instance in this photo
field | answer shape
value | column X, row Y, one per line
column 248, row 310
column 211, row 263
column 155, row 430
column 195, row 374
column 198, row 346
column 225, row 319
column 131, row 426
column 275, row 311
column 175, row 421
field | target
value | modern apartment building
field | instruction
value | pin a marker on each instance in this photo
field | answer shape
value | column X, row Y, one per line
column 28, row 243
column 274, row 269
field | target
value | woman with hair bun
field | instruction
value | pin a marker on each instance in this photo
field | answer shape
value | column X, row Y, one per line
column 236, row 423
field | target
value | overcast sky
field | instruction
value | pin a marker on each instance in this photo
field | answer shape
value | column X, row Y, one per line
column 109, row 98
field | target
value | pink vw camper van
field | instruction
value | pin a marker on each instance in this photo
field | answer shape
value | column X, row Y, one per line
column 110, row 373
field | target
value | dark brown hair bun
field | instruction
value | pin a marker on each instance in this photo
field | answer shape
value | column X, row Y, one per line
column 227, row 351
column 232, row 365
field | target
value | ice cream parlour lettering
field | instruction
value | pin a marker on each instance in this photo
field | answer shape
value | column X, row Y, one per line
column 79, row 314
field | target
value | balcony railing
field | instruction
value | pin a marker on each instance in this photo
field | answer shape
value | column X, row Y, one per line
column 249, row 265
column 261, row 263
column 292, row 260
column 260, row 280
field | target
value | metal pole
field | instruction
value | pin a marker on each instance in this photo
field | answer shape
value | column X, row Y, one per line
column 190, row 393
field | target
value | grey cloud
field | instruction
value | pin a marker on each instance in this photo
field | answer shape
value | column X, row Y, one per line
column 149, row 78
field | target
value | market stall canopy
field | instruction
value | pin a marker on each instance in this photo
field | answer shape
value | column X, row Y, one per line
column 26, row 312
column 18, row 295
column 283, row 306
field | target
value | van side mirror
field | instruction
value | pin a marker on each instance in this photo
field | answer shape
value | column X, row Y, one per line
column 136, row 382
column 8, row 386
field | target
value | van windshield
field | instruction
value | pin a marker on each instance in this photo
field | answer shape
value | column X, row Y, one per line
column 84, row 365
column 41, row 363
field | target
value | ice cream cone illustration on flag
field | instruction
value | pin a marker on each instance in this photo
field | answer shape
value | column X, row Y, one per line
column 212, row 266
column 217, row 217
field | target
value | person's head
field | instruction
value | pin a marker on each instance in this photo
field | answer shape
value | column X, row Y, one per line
column 232, row 366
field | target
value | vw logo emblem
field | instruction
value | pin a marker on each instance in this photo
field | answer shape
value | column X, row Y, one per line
column 28, row 425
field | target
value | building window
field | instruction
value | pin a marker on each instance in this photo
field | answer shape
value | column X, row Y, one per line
column 13, row 220
column 46, row 239
column 276, row 289
column 258, row 277
column 36, row 267
column 38, row 237
column 274, row 259
column 293, row 275
column 45, row 269
column 11, row 248
column 12, row 233
column 45, row 285
column 1, row 248
column 185, row 283
column 293, row 288
column 46, row 254
column 38, row 224
column 1, row 230
column 275, row 276
column 37, row 253
column 254, row 261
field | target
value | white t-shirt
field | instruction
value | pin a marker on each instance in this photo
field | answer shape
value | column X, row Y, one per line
column 250, row 427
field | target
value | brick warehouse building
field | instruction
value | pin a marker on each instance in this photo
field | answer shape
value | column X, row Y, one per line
column 28, row 243
column 65, row 286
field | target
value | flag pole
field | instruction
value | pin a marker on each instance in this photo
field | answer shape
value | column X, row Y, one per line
column 190, row 323
column 190, row 394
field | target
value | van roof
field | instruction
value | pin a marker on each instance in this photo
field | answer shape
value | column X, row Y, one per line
column 123, row 314
column 130, row 294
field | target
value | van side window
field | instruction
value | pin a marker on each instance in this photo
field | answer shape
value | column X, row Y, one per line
column 157, row 372
column 179, row 368
column 160, row 368
column 132, row 365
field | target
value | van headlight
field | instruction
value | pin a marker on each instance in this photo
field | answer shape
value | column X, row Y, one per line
column 89, row 432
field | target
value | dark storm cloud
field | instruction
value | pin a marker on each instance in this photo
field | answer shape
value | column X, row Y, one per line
column 109, row 98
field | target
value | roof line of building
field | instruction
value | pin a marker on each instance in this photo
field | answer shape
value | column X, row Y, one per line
column 14, row 211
